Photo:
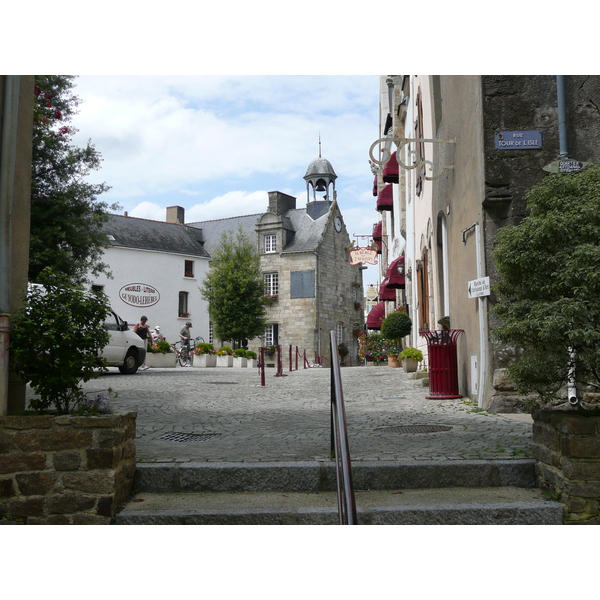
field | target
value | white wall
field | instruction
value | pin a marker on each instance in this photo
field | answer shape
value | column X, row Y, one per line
column 165, row 273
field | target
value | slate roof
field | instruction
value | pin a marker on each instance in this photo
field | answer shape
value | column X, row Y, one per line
column 211, row 231
column 307, row 232
column 159, row 236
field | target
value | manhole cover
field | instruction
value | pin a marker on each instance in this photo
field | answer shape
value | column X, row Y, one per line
column 415, row 429
column 188, row 437
column 223, row 382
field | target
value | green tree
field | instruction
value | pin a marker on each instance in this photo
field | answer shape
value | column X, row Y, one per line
column 66, row 216
column 234, row 288
column 56, row 338
column 549, row 286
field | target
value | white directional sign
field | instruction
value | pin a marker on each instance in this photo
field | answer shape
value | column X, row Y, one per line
column 479, row 287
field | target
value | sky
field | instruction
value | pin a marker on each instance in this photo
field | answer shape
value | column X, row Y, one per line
column 216, row 145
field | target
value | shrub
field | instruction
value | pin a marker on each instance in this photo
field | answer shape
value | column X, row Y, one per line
column 250, row 354
column 396, row 326
column 225, row 351
column 204, row 348
column 56, row 340
column 411, row 353
column 161, row 347
column 240, row 352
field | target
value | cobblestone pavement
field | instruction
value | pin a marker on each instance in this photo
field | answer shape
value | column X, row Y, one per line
column 289, row 418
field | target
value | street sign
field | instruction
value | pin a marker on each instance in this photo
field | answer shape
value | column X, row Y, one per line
column 479, row 287
column 566, row 165
column 518, row 140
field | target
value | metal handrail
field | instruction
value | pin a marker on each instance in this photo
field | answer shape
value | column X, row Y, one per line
column 339, row 443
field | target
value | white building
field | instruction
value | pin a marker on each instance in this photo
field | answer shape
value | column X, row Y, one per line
column 157, row 268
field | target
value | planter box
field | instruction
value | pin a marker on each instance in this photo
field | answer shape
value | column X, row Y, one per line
column 252, row 363
column 224, row 361
column 240, row 362
column 392, row 362
column 566, row 445
column 205, row 360
column 65, row 470
column 162, row 361
column 410, row 365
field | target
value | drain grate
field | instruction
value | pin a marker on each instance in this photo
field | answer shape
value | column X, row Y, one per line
column 223, row 382
column 415, row 429
column 188, row 437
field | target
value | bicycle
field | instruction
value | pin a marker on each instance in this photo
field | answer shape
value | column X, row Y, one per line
column 184, row 357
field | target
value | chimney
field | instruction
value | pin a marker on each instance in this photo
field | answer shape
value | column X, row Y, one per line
column 279, row 202
column 175, row 214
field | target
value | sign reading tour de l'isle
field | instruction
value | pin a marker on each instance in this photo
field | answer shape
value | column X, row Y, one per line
column 479, row 287
column 139, row 294
column 518, row 140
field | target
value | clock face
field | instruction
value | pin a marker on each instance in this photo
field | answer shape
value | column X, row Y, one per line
column 337, row 223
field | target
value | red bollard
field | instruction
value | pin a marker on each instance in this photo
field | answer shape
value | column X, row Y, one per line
column 261, row 364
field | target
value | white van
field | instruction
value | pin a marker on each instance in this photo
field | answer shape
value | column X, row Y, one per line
column 126, row 349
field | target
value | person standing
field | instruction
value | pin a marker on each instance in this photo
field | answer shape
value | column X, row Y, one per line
column 185, row 335
column 143, row 330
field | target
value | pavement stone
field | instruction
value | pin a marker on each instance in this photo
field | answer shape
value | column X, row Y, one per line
column 289, row 418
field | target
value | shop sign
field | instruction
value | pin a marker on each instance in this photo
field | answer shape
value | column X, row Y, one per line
column 363, row 256
column 518, row 140
column 566, row 165
column 139, row 294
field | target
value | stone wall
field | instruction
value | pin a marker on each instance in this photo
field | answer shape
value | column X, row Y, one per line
column 567, row 447
column 65, row 469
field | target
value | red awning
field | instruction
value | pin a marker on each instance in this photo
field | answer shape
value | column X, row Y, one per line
column 385, row 200
column 377, row 229
column 385, row 292
column 376, row 316
column 395, row 274
column 375, row 186
column 377, row 237
column 390, row 171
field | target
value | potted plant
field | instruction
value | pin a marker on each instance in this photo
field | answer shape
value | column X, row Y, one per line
column 204, row 355
column 411, row 357
column 251, row 358
column 161, row 355
column 239, row 358
column 394, row 327
column 372, row 348
column 270, row 352
column 225, row 357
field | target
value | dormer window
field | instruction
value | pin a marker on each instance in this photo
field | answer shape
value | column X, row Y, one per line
column 270, row 243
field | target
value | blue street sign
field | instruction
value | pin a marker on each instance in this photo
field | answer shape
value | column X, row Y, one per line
column 518, row 140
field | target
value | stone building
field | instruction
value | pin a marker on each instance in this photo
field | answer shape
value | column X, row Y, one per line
column 480, row 142
column 304, row 258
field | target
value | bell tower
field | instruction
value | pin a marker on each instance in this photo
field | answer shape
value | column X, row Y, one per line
column 320, row 176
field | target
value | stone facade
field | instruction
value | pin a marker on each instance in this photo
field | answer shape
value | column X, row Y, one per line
column 65, row 470
column 567, row 447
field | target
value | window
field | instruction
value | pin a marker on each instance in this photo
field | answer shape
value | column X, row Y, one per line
column 189, row 268
column 302, row 284
column 211, row 333
column 272, row 335
column 183, row 304
column 271, row 284
column 97, row 288
column 270, row 243
column 339, row 332
column 423, row 290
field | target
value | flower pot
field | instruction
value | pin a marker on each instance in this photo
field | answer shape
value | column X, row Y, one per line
column 225, row 361
column 410, row 365
column 240, row 362
column 252, row 363
column 205, row 360
column 161, row 361
column 393, row 362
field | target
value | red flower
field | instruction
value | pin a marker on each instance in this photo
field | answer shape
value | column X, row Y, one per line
column 48, row 96
column 57, row 114
column 37, row 90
